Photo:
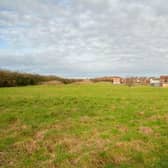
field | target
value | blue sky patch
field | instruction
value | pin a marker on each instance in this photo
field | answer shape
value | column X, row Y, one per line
column 3, row 44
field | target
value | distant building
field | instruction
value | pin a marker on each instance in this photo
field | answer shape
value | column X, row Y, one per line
column 135, row 81
column 164, row 81
column 144, row 81
column 155, row 82
column 116, row 80
column 113, row 79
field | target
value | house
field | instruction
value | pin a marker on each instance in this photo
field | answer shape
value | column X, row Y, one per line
column 116, row 80
column 155, row 82
column 144, row 81
column 164, row 81
column 134, row 81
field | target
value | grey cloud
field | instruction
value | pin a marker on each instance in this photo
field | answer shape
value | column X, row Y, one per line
column 85, row 37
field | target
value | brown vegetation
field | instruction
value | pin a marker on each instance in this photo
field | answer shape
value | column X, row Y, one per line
column 9, row 79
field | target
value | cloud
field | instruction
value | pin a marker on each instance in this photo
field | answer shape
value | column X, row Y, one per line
column 85, row 37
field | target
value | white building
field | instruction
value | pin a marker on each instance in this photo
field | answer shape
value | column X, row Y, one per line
column 155, row 82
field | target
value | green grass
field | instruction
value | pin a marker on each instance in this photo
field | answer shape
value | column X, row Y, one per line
column 84, row 126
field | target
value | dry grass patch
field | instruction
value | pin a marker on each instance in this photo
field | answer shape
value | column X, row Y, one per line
column 3, row 159
column 134, row 145
column 72, row 144
column 96, row 140
column 54, row 82
column 145, row 130
column 14, row 128
column 28, row 146
column 86, row 119
column 122, row 128
column 101, row 159
column 159, row 117
column 78, row 146
column 85, row 81
column 119, row 158
column 40, row 135
column 67, row 124
column 141, row 113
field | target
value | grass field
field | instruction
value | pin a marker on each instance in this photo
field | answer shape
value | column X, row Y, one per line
column 84, row 126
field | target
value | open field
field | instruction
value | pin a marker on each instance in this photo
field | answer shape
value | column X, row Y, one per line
column 83, row 126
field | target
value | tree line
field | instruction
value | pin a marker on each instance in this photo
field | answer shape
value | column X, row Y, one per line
column 10, row 79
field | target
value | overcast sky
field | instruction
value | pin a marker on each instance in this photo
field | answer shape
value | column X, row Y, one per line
column 83, row 38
